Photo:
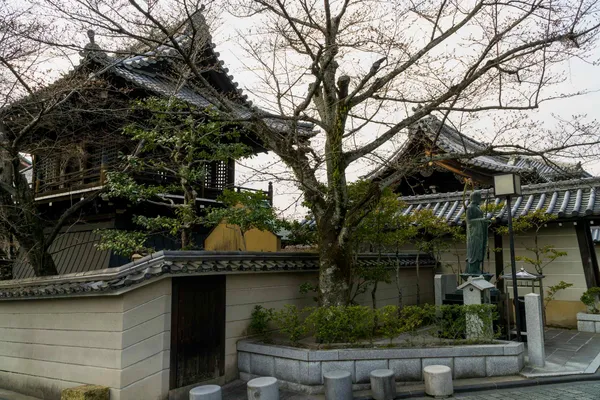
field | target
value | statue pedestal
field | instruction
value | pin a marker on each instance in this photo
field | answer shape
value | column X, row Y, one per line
column 487, row 276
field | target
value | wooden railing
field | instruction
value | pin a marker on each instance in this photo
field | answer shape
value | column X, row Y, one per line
column 68, row 182
column 94, row 177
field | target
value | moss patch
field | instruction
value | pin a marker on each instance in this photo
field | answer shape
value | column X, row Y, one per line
column 86, row 392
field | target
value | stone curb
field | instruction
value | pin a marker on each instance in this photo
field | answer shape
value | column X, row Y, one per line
column 502, row 385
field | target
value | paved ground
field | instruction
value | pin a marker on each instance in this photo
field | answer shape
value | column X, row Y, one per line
column 568, row 352
column 563, row 391
column 8, row 395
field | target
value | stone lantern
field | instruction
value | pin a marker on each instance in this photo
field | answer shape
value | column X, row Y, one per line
column 477, row 291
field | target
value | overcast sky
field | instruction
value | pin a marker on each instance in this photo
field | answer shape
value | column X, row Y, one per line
column 580, row 76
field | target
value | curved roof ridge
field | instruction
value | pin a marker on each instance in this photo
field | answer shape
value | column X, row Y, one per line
column 526, row 189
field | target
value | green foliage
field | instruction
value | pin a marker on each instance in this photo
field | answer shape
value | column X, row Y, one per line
column 541, row 255
column 433, row 235
column 123, row 243
column 341, row 324
column 246, row 210
column 308, row 287
column 451, row 320
column 290, row 322
column 365, row 277
column 590, row 299
column 176, row 144
column 300, row 233
column 552, row 290
column 259, row 322
column 394, row 321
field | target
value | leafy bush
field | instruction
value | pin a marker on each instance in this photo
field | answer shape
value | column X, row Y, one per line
column 259, row 322
column 393, row 322
column 290, row 322
column 341, row 324
column 590, row 298
column 451, row 320
column 351, row 324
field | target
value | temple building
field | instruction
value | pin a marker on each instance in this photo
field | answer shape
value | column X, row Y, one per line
column 567, row 192
column 79, row 142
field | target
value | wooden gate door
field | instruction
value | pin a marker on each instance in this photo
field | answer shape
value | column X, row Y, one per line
column 197, row 330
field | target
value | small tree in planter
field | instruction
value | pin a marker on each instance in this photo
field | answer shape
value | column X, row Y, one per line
column 590, row 321
column 245, row 211
column 433, row 236
column 541, row 256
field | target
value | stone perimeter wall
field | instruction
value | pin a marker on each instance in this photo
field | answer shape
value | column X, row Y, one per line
column 121, row 342
column 303, row 369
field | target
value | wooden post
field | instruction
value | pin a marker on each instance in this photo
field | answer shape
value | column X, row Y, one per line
column 230, row 173
column 588, row 253
column 103, row 170
column 499, row 258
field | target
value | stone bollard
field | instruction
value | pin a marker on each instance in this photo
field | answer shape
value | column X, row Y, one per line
column 383, row 384
column 263, row 388
column 338, row 385
column 206, row 392
column 438, row 380
column 534, row 318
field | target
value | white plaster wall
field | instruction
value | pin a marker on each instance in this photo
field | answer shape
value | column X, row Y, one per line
column 244, row 292
column 568, row 268
column 117, row 341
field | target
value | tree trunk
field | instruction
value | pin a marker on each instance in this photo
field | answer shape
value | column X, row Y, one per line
column 335, row 270
column 374, row 295
column 398, row 287
column 418, row 281
column 38, row 256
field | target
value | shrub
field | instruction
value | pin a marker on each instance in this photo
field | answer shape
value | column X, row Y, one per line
column 394, row 322
column 259, row 322
column 590, row 298
column 290, row 322
column 451, row 320
column 341, row 324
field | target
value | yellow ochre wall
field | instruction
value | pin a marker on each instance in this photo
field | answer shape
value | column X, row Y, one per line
column 563, row 310
column 226, row 237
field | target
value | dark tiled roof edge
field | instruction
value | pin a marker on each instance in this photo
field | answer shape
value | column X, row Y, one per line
column 576, row 198
column 175, row 263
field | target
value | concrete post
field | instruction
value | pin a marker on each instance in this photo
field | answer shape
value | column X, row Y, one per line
column 438, row 380
column 338, row 385
column 263, row 388
column 206, row 392
column 443, row 284
column 535, row 329
column 383, row 384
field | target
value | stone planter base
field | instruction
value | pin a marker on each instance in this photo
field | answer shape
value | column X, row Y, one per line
column 303, row 369
column 588, row 322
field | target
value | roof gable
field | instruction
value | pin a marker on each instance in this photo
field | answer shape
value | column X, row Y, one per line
column 429, row 134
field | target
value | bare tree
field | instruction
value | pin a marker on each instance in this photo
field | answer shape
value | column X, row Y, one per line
column 363, row 71
column 31, row 105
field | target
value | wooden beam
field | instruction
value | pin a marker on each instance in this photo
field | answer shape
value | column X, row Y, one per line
column 499, row 258
column 588, row 254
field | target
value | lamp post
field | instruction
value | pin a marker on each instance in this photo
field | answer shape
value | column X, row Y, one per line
column 508, row 185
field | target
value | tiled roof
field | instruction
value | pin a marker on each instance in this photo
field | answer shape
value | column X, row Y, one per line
column 147, row 71
column 576, row 198
column 175, row 263
column 452, row 141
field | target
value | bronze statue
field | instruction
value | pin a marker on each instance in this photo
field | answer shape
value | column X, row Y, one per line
column 477, row 235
